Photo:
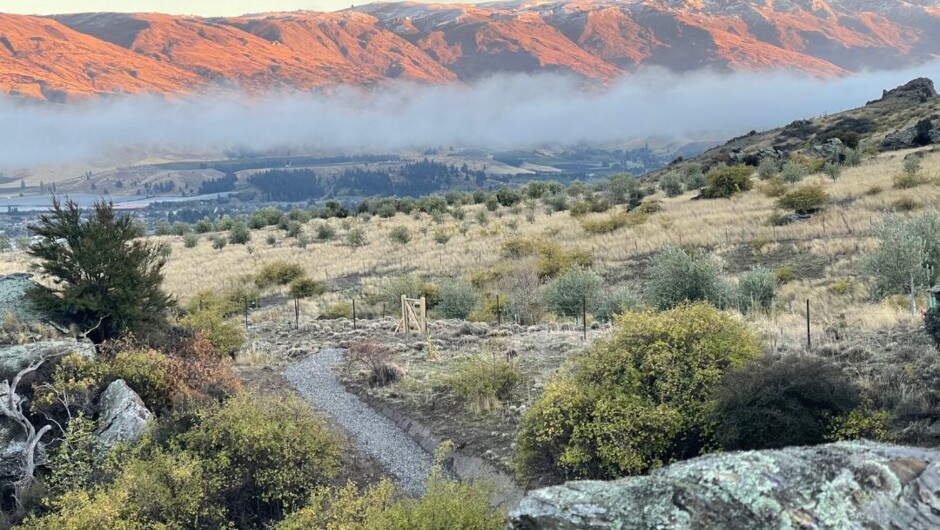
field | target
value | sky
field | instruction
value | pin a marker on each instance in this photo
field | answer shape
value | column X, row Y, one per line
column 178, row 7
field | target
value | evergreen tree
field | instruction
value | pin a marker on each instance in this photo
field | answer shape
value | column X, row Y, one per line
column 102, row 276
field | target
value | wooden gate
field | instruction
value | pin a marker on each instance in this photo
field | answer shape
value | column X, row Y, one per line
column 414, row 316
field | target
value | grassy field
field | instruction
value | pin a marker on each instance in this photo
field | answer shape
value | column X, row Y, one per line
column 825, row 252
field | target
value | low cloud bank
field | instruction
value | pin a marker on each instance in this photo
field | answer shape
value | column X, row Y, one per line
column 508, row 112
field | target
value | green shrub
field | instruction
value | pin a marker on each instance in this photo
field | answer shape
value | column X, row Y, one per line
column 781, row 401
column 907, row 180
column 693, row 177
column 458, row 298
column 356, row 237
column 768, row 167
column 147, row 372
column 671, row 185
column 268, row 453
column 616, row 302
column 906, row 204
column 227, row 337
column 853, row 158
column 805, row 199
column 638, row 400
column 785, row 274
column 325, row 232
column 203, row 226
column 727, row 181
column 165, row 490
column 163, row 228
column 218, row 242
column 908, row 251
column 932, row 325
column 485, row 382
column 278, row 273
column 190, row 240
column 239, row 234
column 793, row 172
column 676, row 276
column 181, row 228
column 341, row 309
column 833, row 170
column 294, row 229
column 305, row 288
column 874, row 190
column 757, row 289
column 572, row 291
column 400, row 235
column 447, row 505
column 441, row 236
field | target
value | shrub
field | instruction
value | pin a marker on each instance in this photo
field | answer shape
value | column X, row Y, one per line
column 616, row 302
column 693, row 177
column 805, row 199
column 278, row 273
column 637, row 400
column 147, row 372
column 785, row 275
column 671, row 185
column 190, row 240
column 874, row 190
column 853, row 158
column 269, row 453
column 341, row 309
column 447, row 505
column 767, row 168
column 218, row 242
column 757, row 289
column 908, row 252
column 522, row 283
column 294, row 229
column 441, row 236
column 781, row 401
column 486, row 382
column 377, row 358
column 163, row 228
column 676, row 276
column 911, row 175
column 325, row 232
column 864, row 422
column 932, row 325
column 239, row 234
column 458, row 298
column 356, row 237
column 793, row 172
column 906, row 204
column 727, row 181
column 571, row 290
column 305, row 288
column 400, row 235
column 210, row 322
column 832, row 170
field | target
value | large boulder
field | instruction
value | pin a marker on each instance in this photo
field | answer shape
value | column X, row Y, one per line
column 13, row 296
column 122, row 415
column 845, row 485
column 15, row 358
column 908, row 138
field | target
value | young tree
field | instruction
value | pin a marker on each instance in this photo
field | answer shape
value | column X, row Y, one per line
column 103, row 278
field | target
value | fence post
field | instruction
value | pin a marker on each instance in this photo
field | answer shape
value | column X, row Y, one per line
column 499, row 313
column 246, row 313
column 383, row 310
column 355, row 326
column 809, row 339
column 297, row 313
column 583, row 318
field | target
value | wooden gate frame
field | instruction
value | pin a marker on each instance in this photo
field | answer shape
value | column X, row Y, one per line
column 414, row 314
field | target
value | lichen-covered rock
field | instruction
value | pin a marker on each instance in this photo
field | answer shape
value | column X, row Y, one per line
column 917, row 90
column 15, row 358
column 906, row 139
column 845, row 485
column 13, row 296
column 122, row 416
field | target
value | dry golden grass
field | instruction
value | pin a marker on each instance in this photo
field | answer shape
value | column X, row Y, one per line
column 838, row 237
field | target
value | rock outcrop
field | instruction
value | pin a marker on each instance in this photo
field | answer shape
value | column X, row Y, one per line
column 15, row 358
column 123, row 417
column 845, row 485
column 911, row 137
column 918, row 90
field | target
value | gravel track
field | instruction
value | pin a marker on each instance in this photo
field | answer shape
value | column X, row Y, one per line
column 315, row 380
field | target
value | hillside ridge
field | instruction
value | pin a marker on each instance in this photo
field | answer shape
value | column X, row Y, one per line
column 72, row 56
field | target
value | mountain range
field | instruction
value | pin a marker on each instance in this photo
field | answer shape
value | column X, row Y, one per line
column 68, row 57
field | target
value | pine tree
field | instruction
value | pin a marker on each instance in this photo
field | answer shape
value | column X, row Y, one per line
column 102, row 277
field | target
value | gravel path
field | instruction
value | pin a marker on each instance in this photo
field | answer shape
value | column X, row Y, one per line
column 315, row 380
